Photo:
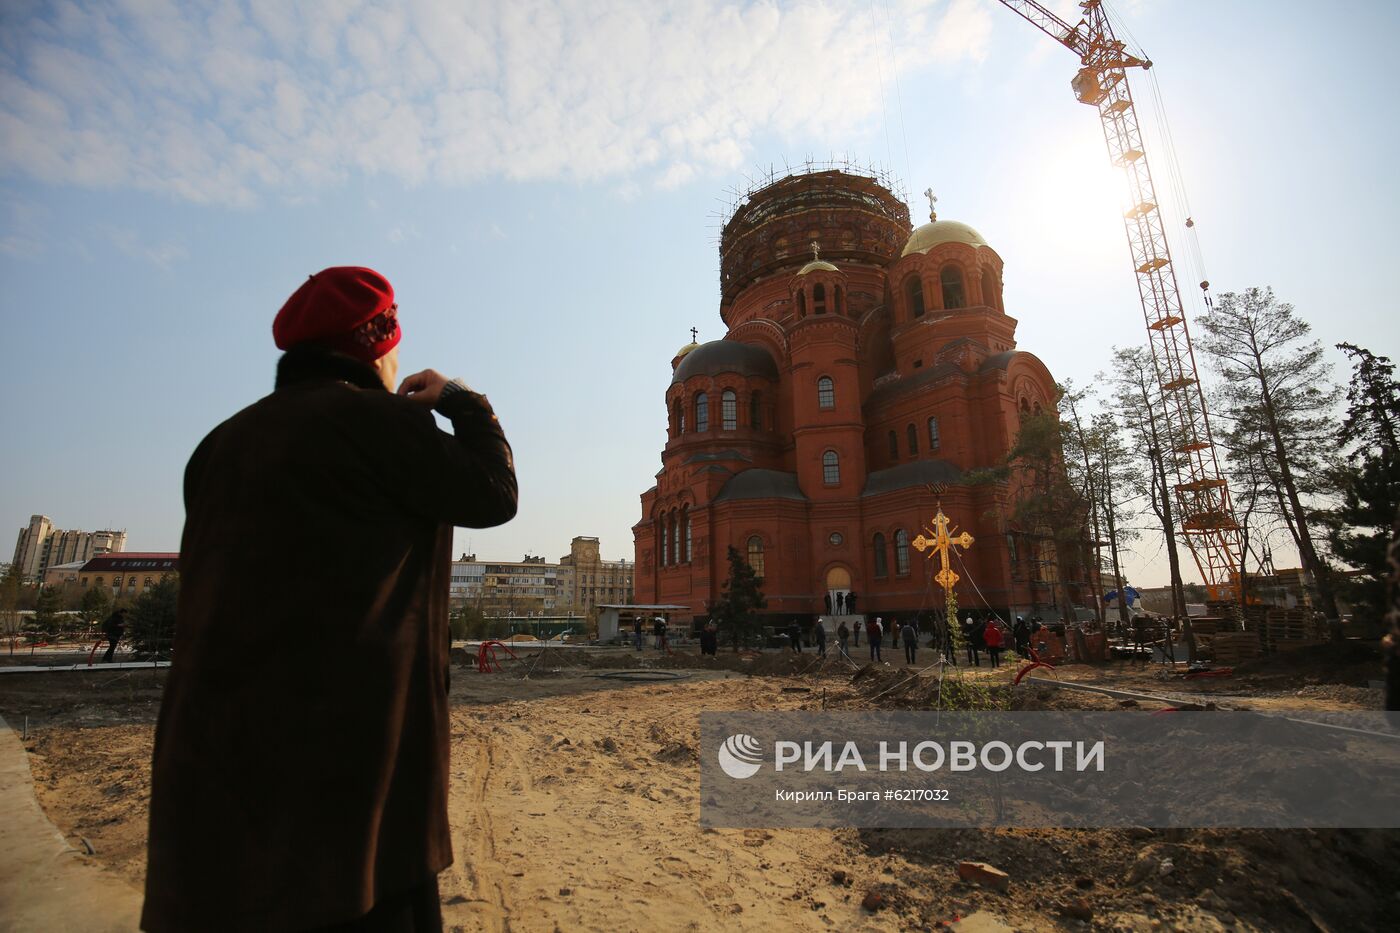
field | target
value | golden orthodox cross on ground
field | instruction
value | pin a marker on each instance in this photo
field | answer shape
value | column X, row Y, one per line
column 816, row 250
column 932, row 200
column 942, row 544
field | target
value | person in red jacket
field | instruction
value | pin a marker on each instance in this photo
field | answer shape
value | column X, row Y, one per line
column 994, row 640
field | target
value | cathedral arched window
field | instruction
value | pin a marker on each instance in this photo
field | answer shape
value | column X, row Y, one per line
column 819, row 299
column 914, row 292
column 801, row 303
column 901, row 553
column 729, row 410
column 702, row 412
column 831, row 468
column 839, row 309
column 826, row 392
column 933, row 434
column 989, row 289
column 894, row 446
column 756, row 411
column 675, row 539
column 685, row 534
column 882, row 565
column 664, row 534
column 913, row 437
column 952, row 281
column 755, row 549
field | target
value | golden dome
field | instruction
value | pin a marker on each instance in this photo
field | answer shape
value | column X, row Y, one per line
column 817, row 265
column 941, row 231
column 686, row 349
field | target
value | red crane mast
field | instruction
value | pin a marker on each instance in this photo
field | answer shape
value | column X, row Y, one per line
column 1204, row 513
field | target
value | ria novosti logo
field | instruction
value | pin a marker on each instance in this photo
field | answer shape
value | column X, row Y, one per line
column 741, row 756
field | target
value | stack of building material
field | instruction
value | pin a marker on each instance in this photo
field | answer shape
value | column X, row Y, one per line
column 1230, row 648
column 1288, row 629
column 1202, row 630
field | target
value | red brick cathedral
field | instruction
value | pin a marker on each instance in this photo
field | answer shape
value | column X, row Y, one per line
column 866, row 367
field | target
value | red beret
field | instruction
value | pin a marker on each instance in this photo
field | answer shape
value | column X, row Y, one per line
column 345, row 308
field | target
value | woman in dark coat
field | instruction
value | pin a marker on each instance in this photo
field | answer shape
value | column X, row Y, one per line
column 301, row 758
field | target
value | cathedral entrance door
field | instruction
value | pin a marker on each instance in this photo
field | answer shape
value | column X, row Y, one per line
column 838, row 584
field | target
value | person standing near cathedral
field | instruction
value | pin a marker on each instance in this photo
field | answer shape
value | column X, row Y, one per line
column 973, row 640
column 1021, row 634
column 875, row 632
column 911, row 642
column 992, row 637
column 304, row 786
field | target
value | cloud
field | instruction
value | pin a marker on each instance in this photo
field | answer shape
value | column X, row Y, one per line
column 232, row 102
column 130, row 243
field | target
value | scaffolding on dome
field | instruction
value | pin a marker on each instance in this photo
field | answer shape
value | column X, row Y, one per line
column 737, row 197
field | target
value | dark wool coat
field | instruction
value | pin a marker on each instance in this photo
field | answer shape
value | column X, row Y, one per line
column 301, row 757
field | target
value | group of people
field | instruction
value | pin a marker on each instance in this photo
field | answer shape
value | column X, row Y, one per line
column 845, row 602
column 992, row 636
column 794, row 634
column 875, row 637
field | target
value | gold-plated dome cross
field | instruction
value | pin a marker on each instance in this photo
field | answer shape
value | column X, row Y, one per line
column 942, row 544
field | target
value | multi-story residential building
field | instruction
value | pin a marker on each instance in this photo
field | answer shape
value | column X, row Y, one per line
column 580, row 581
column 506, row 587
column 41, row 546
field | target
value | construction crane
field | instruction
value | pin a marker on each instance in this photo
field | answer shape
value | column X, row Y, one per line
column 1205, row 516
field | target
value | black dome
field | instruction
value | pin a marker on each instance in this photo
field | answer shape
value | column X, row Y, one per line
column 726, row 356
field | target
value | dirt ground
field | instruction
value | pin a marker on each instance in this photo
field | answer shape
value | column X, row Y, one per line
column 575, row 804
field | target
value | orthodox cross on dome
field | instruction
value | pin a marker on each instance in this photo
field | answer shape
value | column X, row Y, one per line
column 932, row 200
column 694, row 335
column 816, row 250
column 942, row 544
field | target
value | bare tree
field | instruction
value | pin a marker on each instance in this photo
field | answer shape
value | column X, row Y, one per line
column 1281, row 385
column 1137, row 399
column 1080, row 471
column 1116, row 474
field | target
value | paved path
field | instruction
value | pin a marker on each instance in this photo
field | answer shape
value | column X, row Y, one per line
column 88, row 668
column 46, row 884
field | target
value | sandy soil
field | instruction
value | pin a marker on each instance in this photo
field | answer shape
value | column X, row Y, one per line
column 575, row 801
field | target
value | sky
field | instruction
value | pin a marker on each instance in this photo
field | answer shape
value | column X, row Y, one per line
column 543, row 182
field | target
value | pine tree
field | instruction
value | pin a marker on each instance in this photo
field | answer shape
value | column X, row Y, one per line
column 96, row 604
column 1359, row 529
column 741, row 598
column 46, row 610
column 1047, row 506
column 1279, row 387
column 150, row 626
